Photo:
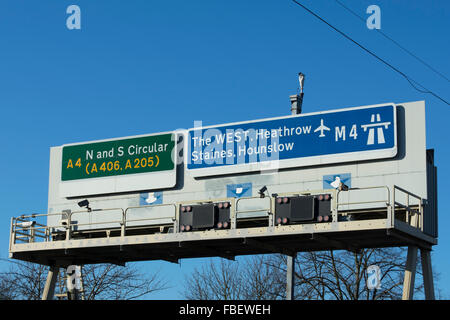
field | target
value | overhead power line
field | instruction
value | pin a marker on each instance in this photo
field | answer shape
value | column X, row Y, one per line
column 411, row 81
column 395, row 42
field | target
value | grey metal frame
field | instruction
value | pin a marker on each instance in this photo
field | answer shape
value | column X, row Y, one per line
column 26, row 238
column 32, row 234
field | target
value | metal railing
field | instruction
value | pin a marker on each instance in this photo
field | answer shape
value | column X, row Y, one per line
column 393, row 205
column 385, row 201
column 71, row 224
column 269, row 210
column 25, row 229
column 412, row 205
column 126, row 220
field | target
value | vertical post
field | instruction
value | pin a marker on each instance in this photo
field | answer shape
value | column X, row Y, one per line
column 410, row 273
column 233, row 209
column 123, row 224
column 409, row 217
column 296, row 103
column 296, row 108
column 290, row 271
column 272, row 212
column 421, row 215
column 49, row 289
column 68, row 214
column 83, row 296
column 427, row 274
column 176, row 226
column 334, row 206
column 12, row 234
column 297, row 99
column 391, row 209
column 32, row 234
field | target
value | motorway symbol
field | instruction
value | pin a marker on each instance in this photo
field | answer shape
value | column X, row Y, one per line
column 379, row 126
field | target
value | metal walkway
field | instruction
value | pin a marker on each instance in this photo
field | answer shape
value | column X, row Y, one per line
column 396, row 219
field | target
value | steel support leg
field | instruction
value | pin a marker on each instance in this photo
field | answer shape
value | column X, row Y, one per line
column 290, row 271
column 410, row 273
column 49, row 289
column 427, row 274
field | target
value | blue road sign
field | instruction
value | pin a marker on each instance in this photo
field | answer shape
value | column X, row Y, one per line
column 239, row 190
column 150, row 198
column 309, row 139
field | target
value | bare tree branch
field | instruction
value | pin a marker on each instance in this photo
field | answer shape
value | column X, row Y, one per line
column 26, row 281
column 339, row 275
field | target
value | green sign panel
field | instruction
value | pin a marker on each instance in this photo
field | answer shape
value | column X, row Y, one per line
column 118, row 157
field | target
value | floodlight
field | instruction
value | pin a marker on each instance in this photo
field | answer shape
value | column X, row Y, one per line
column 261, row 191
column 338, row 184
column 335, row 184
column 85, row 203
column 27, row 224
column 301, row 81
column 343, row 187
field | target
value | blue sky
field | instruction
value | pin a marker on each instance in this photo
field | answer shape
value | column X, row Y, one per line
column 140, row 67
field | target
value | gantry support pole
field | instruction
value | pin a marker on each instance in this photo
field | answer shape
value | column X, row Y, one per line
column 49, row 289
column 290, row 272
column 425, row 256
column 410, row 273
column 296, row 108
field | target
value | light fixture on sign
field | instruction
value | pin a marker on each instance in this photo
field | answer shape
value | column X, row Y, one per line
column 85, row 203
column 338, row 184
column 301, row 81
column 261, row 192
column 27, row 224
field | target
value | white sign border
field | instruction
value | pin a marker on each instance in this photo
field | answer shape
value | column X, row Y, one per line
column 122, row 183
column 297, row 162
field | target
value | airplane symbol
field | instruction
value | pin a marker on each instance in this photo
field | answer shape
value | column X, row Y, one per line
column 322, row 128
